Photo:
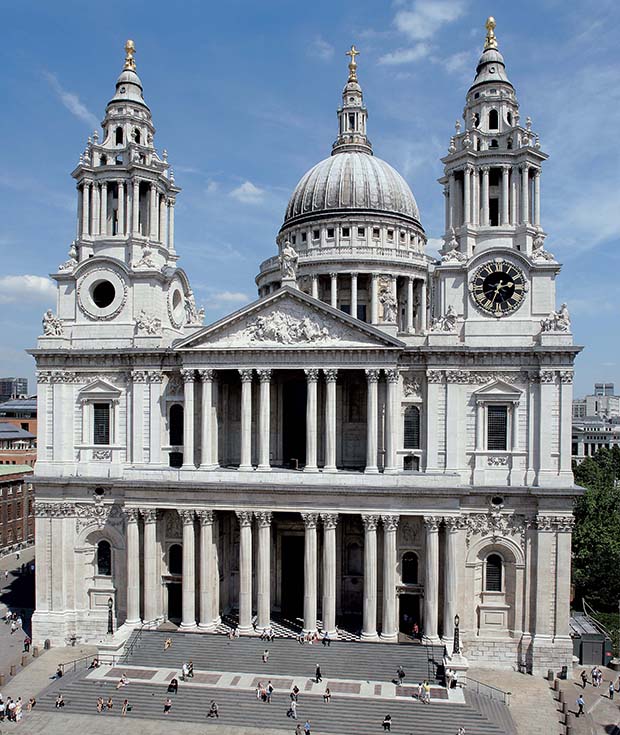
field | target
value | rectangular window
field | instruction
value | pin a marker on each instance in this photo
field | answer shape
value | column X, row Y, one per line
column 345, row 232
column 293, row 239
column 101, row 423
column 390, row 235
column 361, row 312
column 330, row 232
column 315, row 234
column 497, row 428
column 376, row 233
column 9, row 511
column 304, row 237
column 361, row 232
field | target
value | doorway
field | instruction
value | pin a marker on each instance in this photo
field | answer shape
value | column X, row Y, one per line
column 292, row 577
column 174, row 602
column 294, row 424
column 409, row 613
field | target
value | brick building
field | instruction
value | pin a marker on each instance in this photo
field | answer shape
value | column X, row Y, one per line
column 18, row 431
column 16, row 507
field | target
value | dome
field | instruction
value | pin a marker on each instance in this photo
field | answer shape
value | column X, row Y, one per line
column 351, row 181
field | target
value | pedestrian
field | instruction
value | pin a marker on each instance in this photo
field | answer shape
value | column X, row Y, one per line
column 295, row 693
column 213, row 710
column 27, row 642
column 167, row 643
column 420, row 691
column 611, row 690
column 173, row 685
column 125, row 707
column 265, row 655
column 11, row 709
column 190, row 669
column 13, row 626
column 59, row 672
column 460, row 731
column 298, row 730
column 400, row 673
column 17, row 555
column 584, row 678
column 32, row 703
column 292, row 710
column 60, row 702
column 327, row 641
column 307, row 728
column 259, row 688
column 184, row 671
column 109, row 703
column 327, row 695
column 167, row 706
column 416, row 631
column 99, row 704
column 318, row 678
column 449, row 677
column 427, row 693
column 269, row 691
column 387, row 723
column 580, row 703
column 17, row 712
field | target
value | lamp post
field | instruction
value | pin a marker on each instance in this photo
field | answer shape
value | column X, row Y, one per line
column 456, row 647
column 110, row 619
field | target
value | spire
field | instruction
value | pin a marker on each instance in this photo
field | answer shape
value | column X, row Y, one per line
column 352, row 116
column 491, row 41
column 491, row 66
column 129, row 85
column 130, row 50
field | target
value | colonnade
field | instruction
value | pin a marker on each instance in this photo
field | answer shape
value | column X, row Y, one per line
column 207, row 616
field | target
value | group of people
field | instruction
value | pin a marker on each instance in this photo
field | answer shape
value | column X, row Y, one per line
column 313, row 637
column 264, row 692
column 15, row 621
column 12, row 709
column 267, row 634
column 595, row 674
column 102, row 705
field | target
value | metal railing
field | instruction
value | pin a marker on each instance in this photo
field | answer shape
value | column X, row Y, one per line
column 135, row 639
column 85, row 662
column 486, row 690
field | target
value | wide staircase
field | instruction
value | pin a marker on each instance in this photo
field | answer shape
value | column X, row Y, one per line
column 289, row 662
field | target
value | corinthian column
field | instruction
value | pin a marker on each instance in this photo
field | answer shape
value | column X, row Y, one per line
column 133, row 567
column 330, row 521
column 312, row 376
column 391, row 414
column 246, row 419
column 369, row 628
column 264, row 377
column 389, row 629
column 450, row 577
column 152, row 599
column 310, row 560
column 245, row 571
column 431, row 577
column 354, row 295
column 209, row 576
column 189, row 570
column 264, row 570
column 372, row 377
column 330, row 421
column 189, row 377
column 206, row 420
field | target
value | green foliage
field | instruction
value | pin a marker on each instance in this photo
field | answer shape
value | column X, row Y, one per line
column 596, row 537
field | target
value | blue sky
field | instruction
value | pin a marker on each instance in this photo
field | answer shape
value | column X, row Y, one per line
column 244, row 97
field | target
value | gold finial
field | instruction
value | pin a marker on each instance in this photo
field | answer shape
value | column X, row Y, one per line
column 491, row 41
column 352, row 64
column 130, row 50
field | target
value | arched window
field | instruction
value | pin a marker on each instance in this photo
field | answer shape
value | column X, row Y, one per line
column 493, row 120
column 175, row 425
column 104, row 559
column 509, row 118
column 412, row 428
column 118, row 136
column 175, row 559
column 103, row 161
column 136, row 135
column 410, row 568
column 493, row 573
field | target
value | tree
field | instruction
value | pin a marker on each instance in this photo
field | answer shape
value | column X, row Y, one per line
column 596, row 536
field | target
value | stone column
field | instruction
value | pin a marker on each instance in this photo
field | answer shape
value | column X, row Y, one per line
column 423, row 307
column 138, row 378
column 479, row 426
column 514, row 195
column 245, row 571
column 312, row 376
column 431, row 577
column 152, row 230
column 514, row 427
column 333, row 292
column 133, row 567
column 369, row 627
column 544, row 584
column 189, row 570
column 206, row 423
column 152, row 592
column 485, row 196
column 374, row 298
column 135, row 207
column 564, row 526
column 452, row 198
column 372, row 378
column 391, row 417
column 208, row 573
column 120, row 216
column 525, row 194
column 315, row 286
column 189, row 377
column 246, row 419
column 330, row 521
column 409, row 326
column 161, row 205
column 450, row 592
column 96, row 209
column 171, row 225
column 389, row 628
column 310, row 560
column 536, row 197
column 104, row 208
column 264, row 428
column 330, row 420
column 505, row 178
column 264, row 570
column 155, row 378
column 446, row 205
column 354, row 295
column 86, row 187
column 467, row 195
column 475, row 196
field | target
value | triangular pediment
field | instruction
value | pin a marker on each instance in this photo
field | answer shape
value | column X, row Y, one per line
column 99, row 388
column 288, row 319
column 498, row 389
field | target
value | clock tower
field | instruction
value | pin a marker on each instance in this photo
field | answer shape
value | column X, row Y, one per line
column 495, row 278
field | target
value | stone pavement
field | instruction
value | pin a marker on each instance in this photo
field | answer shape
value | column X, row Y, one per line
column 602, row 714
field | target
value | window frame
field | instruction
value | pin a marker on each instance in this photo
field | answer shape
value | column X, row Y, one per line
column 502, row 574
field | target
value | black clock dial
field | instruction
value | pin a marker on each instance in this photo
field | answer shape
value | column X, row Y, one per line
column 498, row 287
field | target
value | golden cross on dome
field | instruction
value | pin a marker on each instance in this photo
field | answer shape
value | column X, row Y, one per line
column 353, row 64
column 491, row 40
column 130, row 50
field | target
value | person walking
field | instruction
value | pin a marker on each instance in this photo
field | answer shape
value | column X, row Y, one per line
column 269, row 691
column 295, row 693
column 400, row 674
column 109, row 703
column 584, row 678
column 292, row 710
column 611, row 690
column 167, row 706
column 427, row 693
column 184, row 672
column 190, row 669
column 265, row 655
column 307, row 727
column 125, row 707
column 327, row 695
column 27, row 642
column 100, row 704
column 213, row 710
column 580, row 704
column 387, row 723
column 318, row 677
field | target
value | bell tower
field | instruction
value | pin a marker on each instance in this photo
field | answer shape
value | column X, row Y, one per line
column 121, row 284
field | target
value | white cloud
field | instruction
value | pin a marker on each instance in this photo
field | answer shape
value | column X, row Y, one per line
column 321, row 49
column 406, row 55
column 424, row 17
column 248, row 193
column 26, row 288
column 433, row 246
column 230, row 297
column 458, row 63
column 71, row 101
column 212, row 186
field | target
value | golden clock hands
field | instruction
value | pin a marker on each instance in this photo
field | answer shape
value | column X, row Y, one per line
column 497, row 288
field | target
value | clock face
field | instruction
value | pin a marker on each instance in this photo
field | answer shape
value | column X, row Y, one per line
column 498, row 287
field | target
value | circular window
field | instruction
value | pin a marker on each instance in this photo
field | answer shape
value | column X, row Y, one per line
column 103, row 294
column 176, row 305
column 497, row 500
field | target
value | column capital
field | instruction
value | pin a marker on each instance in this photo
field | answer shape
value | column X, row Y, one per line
column 485, row 170
column 331, row 375
column 263, row 518
column 432, row 522
column 330, row 520
column 244, row 517
column 453, row 523
column 149, row 514
column 391, row 375
column 187, row 516
column 370, row 522
column 354, row 274
column 188, row 375
column 154, row 376
column 375, row 276
column 246, row 374
column 524, row 167
column 312, row 374
column 333, row 275
column 205, row 517
column 314, row 277
column 536, row 172
column 390, row 523
column 264, row 375
column 372, row 375
column 138, row 376
column 310, row 519
column 505, row 168
column 206, row 375
column 131, row 514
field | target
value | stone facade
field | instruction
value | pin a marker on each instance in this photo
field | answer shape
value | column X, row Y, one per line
column 378, row 440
